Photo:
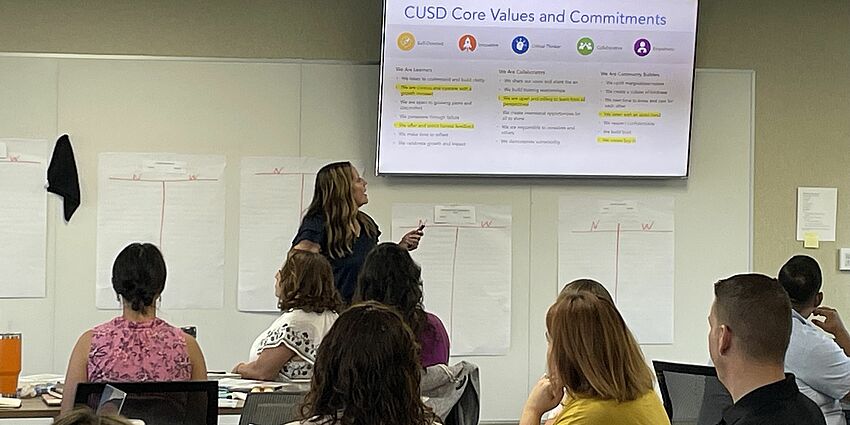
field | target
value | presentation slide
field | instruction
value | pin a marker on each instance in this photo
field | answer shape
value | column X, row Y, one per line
column 537, row 88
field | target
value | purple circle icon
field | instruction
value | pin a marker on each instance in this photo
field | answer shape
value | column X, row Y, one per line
column 642, row 47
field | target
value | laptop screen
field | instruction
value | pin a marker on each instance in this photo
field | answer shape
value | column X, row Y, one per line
column 111, row 401
column 160, row 403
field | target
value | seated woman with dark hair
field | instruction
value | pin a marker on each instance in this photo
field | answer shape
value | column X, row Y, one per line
column 136, row 346
column 367, row 372
column 389, row 276
column 309, row 301
column 593, row 356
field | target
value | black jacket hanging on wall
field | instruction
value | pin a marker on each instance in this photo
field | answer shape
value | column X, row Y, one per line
column 62, row 176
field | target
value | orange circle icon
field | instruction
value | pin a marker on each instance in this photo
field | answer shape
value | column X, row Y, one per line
column 467, row 43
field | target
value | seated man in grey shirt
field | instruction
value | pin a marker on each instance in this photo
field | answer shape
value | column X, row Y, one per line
column 821, row 364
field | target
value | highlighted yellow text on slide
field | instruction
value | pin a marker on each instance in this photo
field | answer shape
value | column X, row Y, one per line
column 425, row 124
column 429, row 89
column 627, row 140
column 630, row 114
column 514, row 100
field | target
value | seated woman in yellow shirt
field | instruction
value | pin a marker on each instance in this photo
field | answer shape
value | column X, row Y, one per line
column 594, row 357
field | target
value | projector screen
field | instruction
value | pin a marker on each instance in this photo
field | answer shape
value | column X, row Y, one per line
column 536, row 87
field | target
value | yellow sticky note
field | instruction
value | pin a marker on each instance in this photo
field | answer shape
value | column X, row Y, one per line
column 810, row 240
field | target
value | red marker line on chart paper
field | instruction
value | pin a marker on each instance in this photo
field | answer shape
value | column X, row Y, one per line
column 645, row 228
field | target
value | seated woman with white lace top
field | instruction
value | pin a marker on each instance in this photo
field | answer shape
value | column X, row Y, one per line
column 309, row 301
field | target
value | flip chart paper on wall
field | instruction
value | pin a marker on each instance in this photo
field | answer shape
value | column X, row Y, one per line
column 816, row 211
column 181, row 210
column 627, row 245
column 274, row 194
column 23, row 218
column 466, row 274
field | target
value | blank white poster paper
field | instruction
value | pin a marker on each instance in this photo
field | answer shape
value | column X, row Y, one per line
column 23, row 218
column 626, row 245
column 174, row 201
column 274, row 194
column 466, row 273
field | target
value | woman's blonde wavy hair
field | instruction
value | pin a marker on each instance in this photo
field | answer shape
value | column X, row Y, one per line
column 333, row 199
column 85, row 416
column 592, row 352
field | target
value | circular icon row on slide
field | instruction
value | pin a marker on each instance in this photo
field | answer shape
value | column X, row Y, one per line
column 520, row 44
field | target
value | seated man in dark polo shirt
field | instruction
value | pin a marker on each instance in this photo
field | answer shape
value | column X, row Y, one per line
column 750, row 324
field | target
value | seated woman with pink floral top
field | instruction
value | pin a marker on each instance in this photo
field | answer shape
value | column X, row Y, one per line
column 136, row 346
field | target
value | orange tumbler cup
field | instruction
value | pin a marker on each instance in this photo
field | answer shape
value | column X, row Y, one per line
column 10, row 363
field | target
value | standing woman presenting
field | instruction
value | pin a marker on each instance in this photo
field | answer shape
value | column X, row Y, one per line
column 335, row 227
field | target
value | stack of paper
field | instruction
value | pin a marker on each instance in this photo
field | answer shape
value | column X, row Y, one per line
column 9, row 403
column 247, row 385
column 217, row 376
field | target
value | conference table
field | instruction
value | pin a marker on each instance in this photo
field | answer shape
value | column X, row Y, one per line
column 33, row 411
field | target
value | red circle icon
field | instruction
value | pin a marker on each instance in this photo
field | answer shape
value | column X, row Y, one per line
column 467, row 43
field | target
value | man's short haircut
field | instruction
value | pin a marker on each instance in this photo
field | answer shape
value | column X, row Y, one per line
column 758, row 312
column 801, row 278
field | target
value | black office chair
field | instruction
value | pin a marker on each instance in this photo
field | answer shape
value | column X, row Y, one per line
column 159, row 403
column 692, row 394
column 273, row 408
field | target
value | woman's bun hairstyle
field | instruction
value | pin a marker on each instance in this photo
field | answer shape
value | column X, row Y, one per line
column 138, row 275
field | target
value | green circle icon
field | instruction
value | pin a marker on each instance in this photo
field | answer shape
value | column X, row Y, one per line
column 585, row 46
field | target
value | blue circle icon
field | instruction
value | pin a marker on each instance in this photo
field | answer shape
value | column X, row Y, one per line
column 520, row 44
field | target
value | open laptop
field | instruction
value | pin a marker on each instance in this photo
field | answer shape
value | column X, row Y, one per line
column 154, row 403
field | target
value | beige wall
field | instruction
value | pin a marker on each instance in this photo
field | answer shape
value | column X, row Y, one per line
column 314, row 29
column 801, row 54
column 799, row 50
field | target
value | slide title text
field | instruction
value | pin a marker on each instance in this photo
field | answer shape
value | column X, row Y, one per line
column 439, row 13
